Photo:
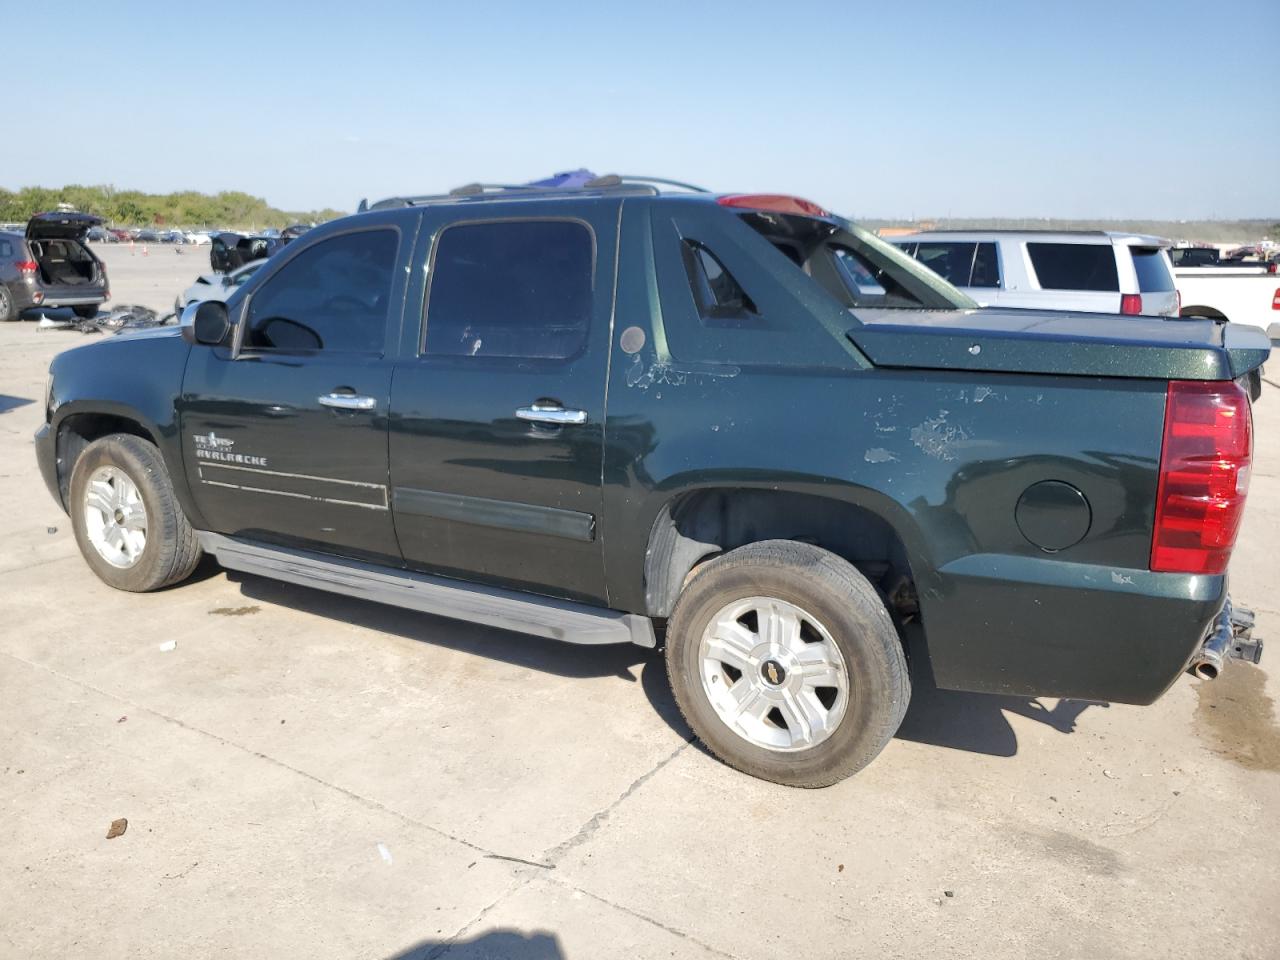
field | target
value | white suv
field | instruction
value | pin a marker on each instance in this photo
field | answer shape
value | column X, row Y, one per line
column 1095, row 272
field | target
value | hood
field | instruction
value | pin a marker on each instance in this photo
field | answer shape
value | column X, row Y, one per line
column 60, row 226
column 1078, row 344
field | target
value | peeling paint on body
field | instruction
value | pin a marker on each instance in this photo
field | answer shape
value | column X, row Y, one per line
column 667, row 373
column 879, row 455
column 935, row 436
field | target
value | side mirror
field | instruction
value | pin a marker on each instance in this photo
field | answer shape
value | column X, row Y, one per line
column 205, row 322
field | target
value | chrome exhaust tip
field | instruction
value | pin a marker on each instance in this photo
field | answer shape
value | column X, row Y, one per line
column 1230, row 638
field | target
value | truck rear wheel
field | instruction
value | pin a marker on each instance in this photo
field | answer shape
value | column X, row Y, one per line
column 786, row 664
column 127, row 521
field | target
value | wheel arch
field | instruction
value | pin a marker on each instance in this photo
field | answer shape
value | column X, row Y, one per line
column 76, row 427
column 694, row 526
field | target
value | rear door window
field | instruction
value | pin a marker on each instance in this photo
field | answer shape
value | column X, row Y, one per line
column 519, row 289
column 986, row 266
column 1154, row 275
column 6, row 248
column 966, row 264
column 1074, row 266
column 950, row 259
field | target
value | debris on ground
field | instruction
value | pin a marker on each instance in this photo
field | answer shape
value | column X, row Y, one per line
column 384, row 853
column 117, row 828
column 122, row 317
column 168, row 645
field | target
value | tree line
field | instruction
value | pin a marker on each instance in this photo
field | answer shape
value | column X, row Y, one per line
column 134, row 208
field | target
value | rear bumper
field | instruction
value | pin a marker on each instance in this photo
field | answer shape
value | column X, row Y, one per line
column 55, row 298
column 47, row 460
column 26, row 297
column 1041, row 627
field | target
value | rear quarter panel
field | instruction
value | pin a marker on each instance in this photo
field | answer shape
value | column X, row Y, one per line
column 943, row 457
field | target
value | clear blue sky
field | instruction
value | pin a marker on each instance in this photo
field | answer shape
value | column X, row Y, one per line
column 1124, row 108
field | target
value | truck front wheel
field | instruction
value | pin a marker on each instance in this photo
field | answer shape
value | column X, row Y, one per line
column 786, row 664
column 127, row 521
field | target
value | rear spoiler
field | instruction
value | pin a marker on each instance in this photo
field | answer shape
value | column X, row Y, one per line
column 1248, row 347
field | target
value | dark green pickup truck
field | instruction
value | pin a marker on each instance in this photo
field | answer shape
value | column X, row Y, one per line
column 736, row 425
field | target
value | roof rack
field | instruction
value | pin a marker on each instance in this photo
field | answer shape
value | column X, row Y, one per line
column 616, row 179
column 470, row 192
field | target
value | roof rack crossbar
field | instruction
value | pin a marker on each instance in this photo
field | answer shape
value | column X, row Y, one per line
column 616, row 179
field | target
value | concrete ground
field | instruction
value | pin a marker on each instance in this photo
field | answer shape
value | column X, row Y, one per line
column 307, row 775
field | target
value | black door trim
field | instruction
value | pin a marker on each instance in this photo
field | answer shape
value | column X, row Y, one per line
column 507, row 514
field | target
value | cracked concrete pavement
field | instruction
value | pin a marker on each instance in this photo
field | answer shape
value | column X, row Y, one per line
column 305, row 774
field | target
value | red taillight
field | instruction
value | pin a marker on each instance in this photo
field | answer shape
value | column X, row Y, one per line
column 1131, row 303
column 1204, row 475
column 774, row 203
column 27, row 266
column 1275, row 300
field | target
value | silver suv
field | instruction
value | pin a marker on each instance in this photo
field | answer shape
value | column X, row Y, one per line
column 1093, row 271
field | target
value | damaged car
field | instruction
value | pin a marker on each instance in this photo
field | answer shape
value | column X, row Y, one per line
column 229, row 251
column 216, row 286
column 51, row 266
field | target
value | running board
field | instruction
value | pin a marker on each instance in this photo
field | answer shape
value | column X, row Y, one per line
column 506, row 609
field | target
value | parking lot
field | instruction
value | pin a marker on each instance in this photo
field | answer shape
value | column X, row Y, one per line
column 309, row 775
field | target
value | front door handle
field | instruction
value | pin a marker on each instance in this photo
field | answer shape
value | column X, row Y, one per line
column 347, row 401
column 551, row 413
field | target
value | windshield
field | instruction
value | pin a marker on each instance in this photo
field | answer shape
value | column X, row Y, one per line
column 856, row 266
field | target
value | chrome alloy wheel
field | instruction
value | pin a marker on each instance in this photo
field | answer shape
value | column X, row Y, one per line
column 773, row 674
column 115, row 518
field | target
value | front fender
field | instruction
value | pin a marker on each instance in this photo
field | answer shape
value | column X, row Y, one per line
column 131, row 377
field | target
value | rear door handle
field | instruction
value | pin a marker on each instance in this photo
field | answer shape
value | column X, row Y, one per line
column 551, row 413
column 347, row 401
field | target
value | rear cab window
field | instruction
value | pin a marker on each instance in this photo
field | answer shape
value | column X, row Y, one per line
column 855, row 266
column 1075, row 266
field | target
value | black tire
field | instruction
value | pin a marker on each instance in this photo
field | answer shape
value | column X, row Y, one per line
column 172, row 550
column 86, row 311
column 847, row 605
column 7, row 310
